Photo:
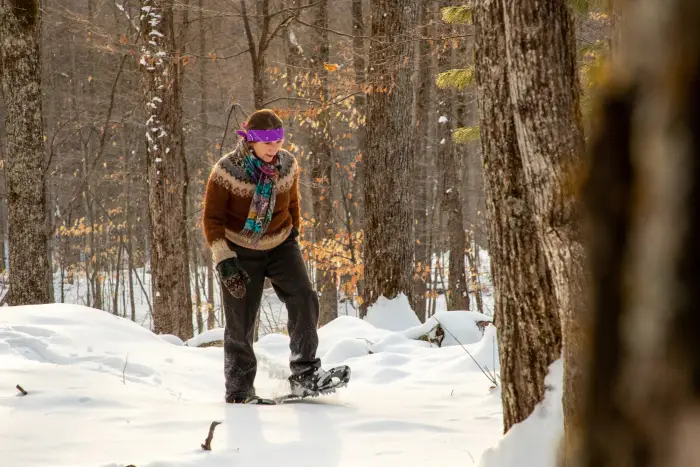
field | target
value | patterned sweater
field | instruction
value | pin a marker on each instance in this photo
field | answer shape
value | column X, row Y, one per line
column 227, row 202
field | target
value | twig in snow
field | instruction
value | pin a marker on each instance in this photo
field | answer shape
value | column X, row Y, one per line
column 124, row 369
column 488, row 375
column 369, row 344
column 20, row 389
column 207, row 442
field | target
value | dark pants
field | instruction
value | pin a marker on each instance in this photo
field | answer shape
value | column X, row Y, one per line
column 284, row 266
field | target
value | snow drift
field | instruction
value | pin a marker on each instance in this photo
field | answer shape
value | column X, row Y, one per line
column 103, row 391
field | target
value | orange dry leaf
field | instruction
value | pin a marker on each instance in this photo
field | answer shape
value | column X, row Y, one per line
column 330, row 66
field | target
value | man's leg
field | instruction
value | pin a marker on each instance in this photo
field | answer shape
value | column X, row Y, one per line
column 290, row 280
column 240, row 364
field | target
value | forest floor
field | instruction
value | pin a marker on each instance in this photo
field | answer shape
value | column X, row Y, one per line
column 103, row 391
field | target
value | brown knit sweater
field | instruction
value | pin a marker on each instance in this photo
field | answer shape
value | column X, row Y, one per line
column 227, row 202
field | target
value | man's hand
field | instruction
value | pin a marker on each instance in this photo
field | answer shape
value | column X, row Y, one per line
column 233, row 276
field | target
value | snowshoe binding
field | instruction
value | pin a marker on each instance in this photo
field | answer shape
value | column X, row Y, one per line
column 317, row 382
column 249, row 399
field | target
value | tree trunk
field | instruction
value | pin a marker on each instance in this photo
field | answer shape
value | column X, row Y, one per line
column 256, row 52
column 527, row 318
column 20, row 70
column 115, row 301
column 358, row 64
column 129, row 240
column 541, row 53
column 389, row 248
column 3, row 232
column 322, row 174
column 203, row 96
column 167, row 173
column 474, row 263
column 643, row 397
column 616, row 26
column 421, row 217
column 193, row 240
column 457, row 293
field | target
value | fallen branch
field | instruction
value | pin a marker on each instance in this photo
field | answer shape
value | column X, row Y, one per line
column 486, row 372
column 207, row 442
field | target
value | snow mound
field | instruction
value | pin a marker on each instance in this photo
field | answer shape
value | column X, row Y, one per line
column 486, row 350
column 173, row 339
column 459, row 327
column 393, row 315
column 534, row 441
column 345, row 350
column 207, row 337
column 104, row 391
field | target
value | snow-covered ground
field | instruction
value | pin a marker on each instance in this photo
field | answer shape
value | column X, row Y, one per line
column 104, row 391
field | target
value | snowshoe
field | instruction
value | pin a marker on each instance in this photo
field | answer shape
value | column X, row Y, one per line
column 317, row 382
column 253, row 400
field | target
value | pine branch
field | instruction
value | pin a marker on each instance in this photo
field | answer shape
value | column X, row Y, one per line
column 459, row 78
column 457, row 14
column 466, row 134
column 580, row 6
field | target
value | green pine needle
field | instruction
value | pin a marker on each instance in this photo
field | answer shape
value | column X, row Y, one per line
column 459, row 78
column 466, row 135
column 580, row 6
column 457, row 14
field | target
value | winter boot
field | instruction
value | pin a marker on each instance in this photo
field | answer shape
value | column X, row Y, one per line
column 241, row 398
column 319, row 381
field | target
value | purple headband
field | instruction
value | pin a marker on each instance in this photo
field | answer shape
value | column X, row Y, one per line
column 264, row 136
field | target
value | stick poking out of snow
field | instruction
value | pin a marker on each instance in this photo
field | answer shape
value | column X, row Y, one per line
column 207, row 442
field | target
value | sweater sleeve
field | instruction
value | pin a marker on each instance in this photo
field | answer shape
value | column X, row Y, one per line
column 216, row 199
column 294, row 201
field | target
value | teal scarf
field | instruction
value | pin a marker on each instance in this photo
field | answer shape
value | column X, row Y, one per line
column 264, row 176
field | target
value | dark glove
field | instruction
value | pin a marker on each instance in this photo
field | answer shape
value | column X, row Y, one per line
column 233, row 276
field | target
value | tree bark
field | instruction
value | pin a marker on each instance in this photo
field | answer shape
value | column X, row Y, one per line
column 389, row 247
column 117, row 269
column 643, row 396
column 20, row 70
column 322, row 173
column 420, row 180
column 359, row 57
column 204, row 109
column 167, row 172
column 526, row 314
column 257, row 51
column 544, row 91
column 457, row 293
